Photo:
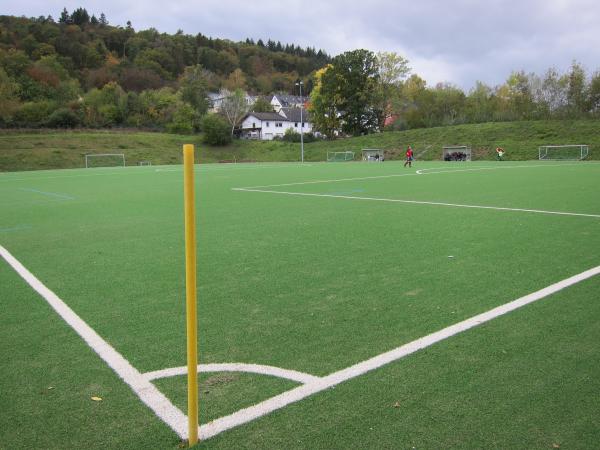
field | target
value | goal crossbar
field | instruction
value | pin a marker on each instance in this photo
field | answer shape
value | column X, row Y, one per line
column 372, row 154
column 456, row 153
column 340, row 156
column 117, row 156
column 563, row 152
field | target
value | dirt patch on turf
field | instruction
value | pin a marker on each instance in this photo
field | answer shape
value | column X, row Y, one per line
column 219, row 379
column 414, row 292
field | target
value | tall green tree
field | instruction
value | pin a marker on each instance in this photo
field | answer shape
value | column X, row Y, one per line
column 577, row 96
column 393, row 70
column 194, row 88
column 324, row 103
column 356, row 75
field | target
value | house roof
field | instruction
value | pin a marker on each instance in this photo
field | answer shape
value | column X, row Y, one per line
column 293, row 114
column 267, row 116
column 288, row 100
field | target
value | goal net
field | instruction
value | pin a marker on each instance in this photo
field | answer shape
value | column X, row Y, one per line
column 372, row 155
column 340, row 156
column 456, row 153
column 104, row 160
column 563, row 152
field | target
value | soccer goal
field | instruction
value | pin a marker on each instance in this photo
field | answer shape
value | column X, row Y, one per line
column 104, row 160
column 372, row 155
column 456, row 153
column 563, row 152
column 340, row 156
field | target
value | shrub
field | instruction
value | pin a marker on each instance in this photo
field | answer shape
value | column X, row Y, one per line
column 33, row 114
column 63, row 118
column 292, row 135
column 184, row 120
column 216, row 130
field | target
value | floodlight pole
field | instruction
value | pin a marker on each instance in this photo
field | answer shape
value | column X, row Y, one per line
column 299, row 84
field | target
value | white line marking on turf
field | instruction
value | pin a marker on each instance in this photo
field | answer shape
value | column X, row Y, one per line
column 174, row 418
column 418, row 202
column 144, row 389
column 293, row 375
column 474, row 169
column 418, row 172
column 236, row 166
column 48, row 194
column 254, row 412
column 17, row 228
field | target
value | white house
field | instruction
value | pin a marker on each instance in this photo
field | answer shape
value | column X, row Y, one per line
column 267, row 126
column 215, row 99
column 287, row 101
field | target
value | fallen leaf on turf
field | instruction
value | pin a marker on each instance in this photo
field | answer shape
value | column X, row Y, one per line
column 397, row 405
column 50, row 387
column 97, row 399
column 555, row 445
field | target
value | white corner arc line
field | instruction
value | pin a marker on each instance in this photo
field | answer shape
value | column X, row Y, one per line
column 279, row 401
column 293, row 375
column 144, row 389
column 419, row 202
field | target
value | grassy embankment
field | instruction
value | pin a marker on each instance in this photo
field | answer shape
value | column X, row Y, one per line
column 32, row 150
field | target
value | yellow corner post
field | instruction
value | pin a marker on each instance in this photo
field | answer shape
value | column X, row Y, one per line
column 190, row 292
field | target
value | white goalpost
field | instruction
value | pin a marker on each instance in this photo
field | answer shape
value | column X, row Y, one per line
column 372, row 155
column 104, row 160
column 340, row 156
column 563, row 152
column 456, row 153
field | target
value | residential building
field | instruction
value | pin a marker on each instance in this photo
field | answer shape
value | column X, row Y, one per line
column 267, row 126
column 288, row 101
column 215, row 99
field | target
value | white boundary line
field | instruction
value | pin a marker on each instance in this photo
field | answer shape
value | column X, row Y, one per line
column 418, row 172
column 175, row 419
column 293, row 375
column 254, row 412
column 143, row 388
column 48, row 194
column 418, row 202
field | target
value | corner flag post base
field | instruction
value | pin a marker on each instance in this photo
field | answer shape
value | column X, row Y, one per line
column 190, row 292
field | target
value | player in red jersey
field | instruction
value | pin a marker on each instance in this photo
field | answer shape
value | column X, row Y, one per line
column 409, row 157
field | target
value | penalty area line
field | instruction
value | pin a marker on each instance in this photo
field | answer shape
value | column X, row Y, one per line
column 144, row 389
column 279, row 401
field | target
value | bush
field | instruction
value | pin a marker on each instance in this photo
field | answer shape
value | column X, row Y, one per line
column 33, row 114
column 63, row 118
column 216, row 130
column 184, row 120
column 292, row 135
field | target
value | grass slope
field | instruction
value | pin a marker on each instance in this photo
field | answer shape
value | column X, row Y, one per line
column 66, row 149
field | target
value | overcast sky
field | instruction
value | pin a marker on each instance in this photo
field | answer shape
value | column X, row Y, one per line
column 456, row 41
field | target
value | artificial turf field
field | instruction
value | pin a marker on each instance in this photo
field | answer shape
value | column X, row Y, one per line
column 312, row 268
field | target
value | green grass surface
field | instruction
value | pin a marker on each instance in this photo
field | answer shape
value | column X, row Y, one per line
column 29, row 150
column 313, row 284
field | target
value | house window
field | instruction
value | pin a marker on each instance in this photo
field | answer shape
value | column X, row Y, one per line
column 253, row 124
column 302, row 124
column 267, row 123
column 278, row 124
column 296, row 124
